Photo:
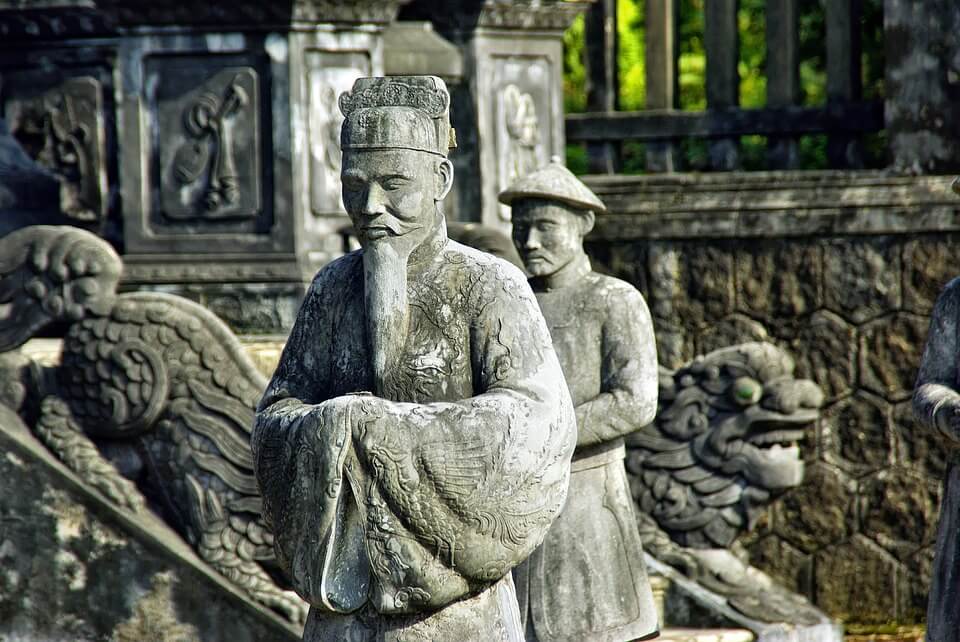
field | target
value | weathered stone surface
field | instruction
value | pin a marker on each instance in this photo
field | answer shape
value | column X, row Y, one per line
column 731, row 330
column 890, row 351
column 784, row 563
column 856, row 435
column 861, row 277
column 856, row 579
column 900, row 510
column 74, row 567
column 825, row 349
column 917, row 447
column 929, row 262
column 914, row 578
column 818, row 513
column 627, row 261
column 692, row 282
column 920, row 77
column 779, row 279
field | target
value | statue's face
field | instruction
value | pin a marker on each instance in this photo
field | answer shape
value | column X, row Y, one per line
column 547, row 234
column 391, row 194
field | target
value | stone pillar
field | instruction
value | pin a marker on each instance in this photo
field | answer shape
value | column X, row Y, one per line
column 202, row 138
column 508, row 111
column 922, row 84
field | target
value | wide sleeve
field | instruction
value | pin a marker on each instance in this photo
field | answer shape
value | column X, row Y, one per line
column 628, row 397
column 300, row 442
column 936, row 401
column 479, row 481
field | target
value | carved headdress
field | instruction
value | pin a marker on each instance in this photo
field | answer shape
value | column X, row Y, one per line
column 554, row 182
column 398, row 112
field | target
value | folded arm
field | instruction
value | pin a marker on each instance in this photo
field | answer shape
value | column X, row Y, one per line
column 628, row 400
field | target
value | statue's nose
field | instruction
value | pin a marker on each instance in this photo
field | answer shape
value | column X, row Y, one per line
column 374, row 204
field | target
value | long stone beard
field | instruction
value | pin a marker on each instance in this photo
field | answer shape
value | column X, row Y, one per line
column 387, row 310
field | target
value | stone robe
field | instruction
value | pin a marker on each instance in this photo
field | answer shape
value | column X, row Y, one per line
column 401, row 518
column 588, row 581
column 936, row 400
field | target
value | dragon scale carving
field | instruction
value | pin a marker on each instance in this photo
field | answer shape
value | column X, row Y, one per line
column 160, row 374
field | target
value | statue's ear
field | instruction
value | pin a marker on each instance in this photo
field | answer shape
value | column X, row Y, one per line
column 445, row 175
column 587, row 219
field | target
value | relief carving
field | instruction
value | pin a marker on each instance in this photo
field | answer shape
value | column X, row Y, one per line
column 331, row 73
column 518, row 136
column 64, row 133
column 209, row 147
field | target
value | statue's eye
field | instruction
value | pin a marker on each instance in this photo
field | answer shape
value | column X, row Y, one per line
column 394, row 183
column 746, row 391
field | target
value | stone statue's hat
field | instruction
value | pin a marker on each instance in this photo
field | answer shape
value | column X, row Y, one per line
column 554, row 182
column 397, row 112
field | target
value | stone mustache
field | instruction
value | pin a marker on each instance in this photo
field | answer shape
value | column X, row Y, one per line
column 163, row 375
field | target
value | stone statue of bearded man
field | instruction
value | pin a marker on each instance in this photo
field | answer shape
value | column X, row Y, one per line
column 414, row 443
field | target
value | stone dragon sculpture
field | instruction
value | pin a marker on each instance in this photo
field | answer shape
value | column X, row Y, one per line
column 156, row 387
column 154, row 379
column 721, row 449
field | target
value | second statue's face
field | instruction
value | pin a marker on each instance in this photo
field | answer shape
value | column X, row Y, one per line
column 391, row 195
column 548, row 235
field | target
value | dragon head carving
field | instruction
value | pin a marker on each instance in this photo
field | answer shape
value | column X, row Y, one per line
column 723, row 445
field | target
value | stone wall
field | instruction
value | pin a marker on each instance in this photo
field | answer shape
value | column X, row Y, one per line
column 841, row 269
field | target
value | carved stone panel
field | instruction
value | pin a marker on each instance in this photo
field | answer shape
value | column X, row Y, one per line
column 206, row 140
column 329, row 73
column 522, row 116
column 62, row 129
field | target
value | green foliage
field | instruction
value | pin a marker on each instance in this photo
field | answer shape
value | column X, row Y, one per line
column 574, row 72
column 631, row 33
column 751, row 22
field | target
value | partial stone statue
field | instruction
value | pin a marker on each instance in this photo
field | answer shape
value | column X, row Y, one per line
column 158, row 380
column 414, row 443
column 722, row 448
column 936, row 403
column 588, row 580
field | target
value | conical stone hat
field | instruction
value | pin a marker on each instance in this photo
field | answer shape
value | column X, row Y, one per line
column 554, row 182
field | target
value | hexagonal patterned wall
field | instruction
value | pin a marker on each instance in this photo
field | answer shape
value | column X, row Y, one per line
column 843, row 271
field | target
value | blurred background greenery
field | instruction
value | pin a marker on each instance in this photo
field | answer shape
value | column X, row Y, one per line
column 753, row 82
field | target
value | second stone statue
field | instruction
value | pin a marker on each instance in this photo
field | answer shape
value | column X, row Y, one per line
column 588, row 581
column 414, row 443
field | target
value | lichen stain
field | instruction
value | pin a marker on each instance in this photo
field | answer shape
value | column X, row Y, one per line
column 154, row 617
column 71, row 517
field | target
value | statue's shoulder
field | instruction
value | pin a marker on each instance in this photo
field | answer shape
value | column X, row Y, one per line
column 614, row 292
column 481, row 265
column 340, row 274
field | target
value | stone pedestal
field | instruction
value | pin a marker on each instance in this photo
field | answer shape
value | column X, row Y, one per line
column 200, row 138
column 508, row 111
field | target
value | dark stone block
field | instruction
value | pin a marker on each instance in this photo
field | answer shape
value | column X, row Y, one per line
column 780, row 279
column 890, row 351
column 819, row 512
column 862, row 278
column 856, row 434
column 900, row 510
column 856, row 579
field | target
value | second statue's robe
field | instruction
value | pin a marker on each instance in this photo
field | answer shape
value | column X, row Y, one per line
column 407, row 513
column 588, row 581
